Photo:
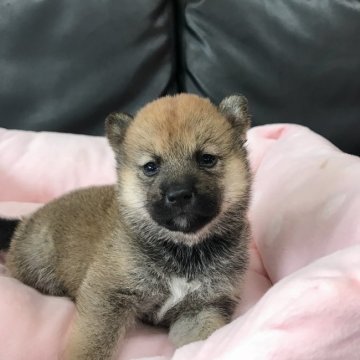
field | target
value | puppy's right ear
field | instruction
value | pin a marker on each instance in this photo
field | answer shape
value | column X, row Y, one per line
column 235, row 109
column 116, row 125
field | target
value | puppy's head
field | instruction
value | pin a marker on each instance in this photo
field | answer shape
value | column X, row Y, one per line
column 181, row 163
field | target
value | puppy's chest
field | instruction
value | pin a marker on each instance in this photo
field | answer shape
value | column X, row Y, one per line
column 177, row 294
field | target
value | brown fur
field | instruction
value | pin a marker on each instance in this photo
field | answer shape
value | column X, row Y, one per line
column 101, row 246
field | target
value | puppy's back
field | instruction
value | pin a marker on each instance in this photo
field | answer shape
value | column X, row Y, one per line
column 66, row 234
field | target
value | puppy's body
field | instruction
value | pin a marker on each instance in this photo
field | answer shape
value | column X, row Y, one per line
column 167, row 244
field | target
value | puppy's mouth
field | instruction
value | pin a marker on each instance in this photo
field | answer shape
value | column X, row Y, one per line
column 186, row 223
column 183, row 220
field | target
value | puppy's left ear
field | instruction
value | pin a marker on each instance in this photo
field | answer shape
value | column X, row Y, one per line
column 116, row 125
column 235, row 109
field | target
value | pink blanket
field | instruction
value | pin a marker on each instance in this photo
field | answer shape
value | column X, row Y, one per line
column 302, row 293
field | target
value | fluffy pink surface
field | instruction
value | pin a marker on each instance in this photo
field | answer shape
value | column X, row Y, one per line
column 302, row 293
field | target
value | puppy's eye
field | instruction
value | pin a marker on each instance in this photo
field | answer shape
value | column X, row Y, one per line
column 151, row 168
column 207, row 160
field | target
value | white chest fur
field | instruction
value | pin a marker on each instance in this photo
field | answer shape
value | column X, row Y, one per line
column 179, row 288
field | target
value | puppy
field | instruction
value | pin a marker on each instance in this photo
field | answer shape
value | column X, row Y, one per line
column 168, row 244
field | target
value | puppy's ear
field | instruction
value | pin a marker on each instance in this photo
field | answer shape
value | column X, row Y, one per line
column 116, row 125
column 235, row 109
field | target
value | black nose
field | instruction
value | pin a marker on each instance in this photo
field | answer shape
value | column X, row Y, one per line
column 179, row 195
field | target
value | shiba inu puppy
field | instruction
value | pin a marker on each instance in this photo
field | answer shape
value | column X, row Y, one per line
column 167, row 244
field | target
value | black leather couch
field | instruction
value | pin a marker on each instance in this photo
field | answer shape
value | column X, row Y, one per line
column 65, row 64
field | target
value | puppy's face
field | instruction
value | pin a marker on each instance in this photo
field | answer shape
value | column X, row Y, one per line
column 181, row 161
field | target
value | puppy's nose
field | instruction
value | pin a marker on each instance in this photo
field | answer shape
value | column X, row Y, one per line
column 179, row 195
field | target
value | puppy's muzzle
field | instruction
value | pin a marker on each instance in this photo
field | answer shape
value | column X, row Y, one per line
column 182, row 207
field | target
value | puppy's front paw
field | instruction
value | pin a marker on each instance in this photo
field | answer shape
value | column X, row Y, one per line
column 200, row 326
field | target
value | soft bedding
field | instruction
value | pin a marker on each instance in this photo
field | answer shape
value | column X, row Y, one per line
column 301, row 298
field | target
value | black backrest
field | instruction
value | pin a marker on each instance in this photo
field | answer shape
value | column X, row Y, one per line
column 65, row 64
column 296, row 61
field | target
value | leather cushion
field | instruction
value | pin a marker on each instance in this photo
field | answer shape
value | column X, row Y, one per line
column 297, row 61
column 65, row 64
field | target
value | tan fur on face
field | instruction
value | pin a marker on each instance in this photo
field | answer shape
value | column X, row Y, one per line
column 235, row 181
column 183, row 122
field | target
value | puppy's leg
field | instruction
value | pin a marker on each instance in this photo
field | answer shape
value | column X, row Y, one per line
column 195, row 326
column 103, row 317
